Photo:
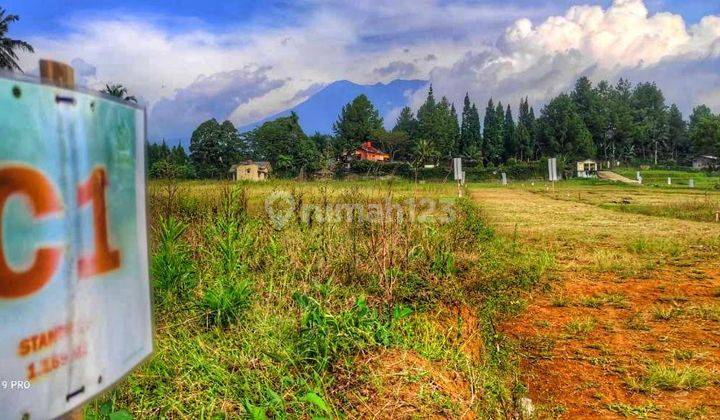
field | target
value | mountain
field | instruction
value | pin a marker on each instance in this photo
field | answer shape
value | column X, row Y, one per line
column 321, row 110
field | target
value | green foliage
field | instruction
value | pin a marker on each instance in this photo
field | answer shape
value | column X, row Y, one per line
column 470, row 136
column 8, row 46
column 214, row 147
column 225, row 301
column 119, row 91
column 283, row 143
column 705, row 131
column 562, row 130
column 324, row 336
column 356, row 124
column 172, row 267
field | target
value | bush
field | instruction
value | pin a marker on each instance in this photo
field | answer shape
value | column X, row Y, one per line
column 172, row 266
column 226, row 301
column 324, row 337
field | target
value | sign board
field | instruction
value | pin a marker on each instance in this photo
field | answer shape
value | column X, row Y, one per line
column 457, row 168
column 74, row 288
column 691, row 183
column 504, row 178
column 552, row 169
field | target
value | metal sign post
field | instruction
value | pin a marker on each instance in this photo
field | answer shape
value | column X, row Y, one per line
column 458, row 174
column 75, row 311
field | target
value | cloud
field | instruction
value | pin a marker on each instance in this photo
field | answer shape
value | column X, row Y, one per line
column 540, row 51
column 397, row 69
column 214, row 96
column 623, row 40
column 84, row 71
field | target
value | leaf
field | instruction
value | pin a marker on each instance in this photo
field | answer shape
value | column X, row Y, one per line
column 317, row 401
column 254, row 412
column 120, row 415
column 400, row 312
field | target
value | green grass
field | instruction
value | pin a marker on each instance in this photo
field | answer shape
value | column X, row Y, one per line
column 625, row 410
column 580, row 326
column 671, row 378
column 256, row 320
column 680, row 179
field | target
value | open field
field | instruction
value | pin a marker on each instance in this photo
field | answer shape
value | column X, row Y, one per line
column 680, row 179
column 631, row 326
column 587, row 309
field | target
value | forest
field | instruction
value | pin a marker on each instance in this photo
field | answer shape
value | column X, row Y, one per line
column 623, row 122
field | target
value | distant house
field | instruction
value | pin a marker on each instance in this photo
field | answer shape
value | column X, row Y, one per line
column 587, row 169
column 367, row 151
column 706, row 162
column 250, row 171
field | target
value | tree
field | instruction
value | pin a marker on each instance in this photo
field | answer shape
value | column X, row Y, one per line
column 562, row 130
column 283, row 143
column 8, row 46
column 526, row 131
column 206, row 152
column 393, row 142
column 423, row 152
column 650, row 131
column 492, row 132
column 705, row 131
column 119, row 91
column 679, row 147
column 470, row 137
column 510, row 139
column 426, row 117
column 214, row 147
column 355, row 125
column 406, row 122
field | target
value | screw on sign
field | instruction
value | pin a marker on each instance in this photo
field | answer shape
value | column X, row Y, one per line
column 74, row 289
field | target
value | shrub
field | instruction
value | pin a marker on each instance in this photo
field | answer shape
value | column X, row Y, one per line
column 172, row 266
column 226, row 301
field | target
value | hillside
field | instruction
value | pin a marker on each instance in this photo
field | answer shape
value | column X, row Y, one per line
column 319, row 112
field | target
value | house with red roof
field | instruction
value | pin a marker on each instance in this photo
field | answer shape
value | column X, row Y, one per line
column 367, row 151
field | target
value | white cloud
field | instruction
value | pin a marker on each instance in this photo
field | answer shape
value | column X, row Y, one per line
column 375, row 41
column 215, row 96
column 623, row 40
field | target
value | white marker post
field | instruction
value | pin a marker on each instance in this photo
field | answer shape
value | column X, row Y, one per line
column 669, row 181
column 458, row 173
column 552, row 171
column 691, row 183
column 504, row 178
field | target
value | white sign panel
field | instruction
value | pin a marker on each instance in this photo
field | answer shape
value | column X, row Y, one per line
column 457, row 168
column 74, row 289
column 552, row 169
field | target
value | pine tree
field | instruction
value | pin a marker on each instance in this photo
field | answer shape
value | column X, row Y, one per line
column 489, row 129
column 355, row 125
column 510, row 141
column 679, row 147
column 426, row 118
column 406, row 122
column 455, row 130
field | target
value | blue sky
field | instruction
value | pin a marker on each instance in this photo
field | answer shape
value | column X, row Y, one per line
column 242, row 60
column 47, row 16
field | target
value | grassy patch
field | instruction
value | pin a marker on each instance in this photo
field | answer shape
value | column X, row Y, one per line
column 256, row 319
column 626, row 410
column 671, row 378
column 615, row 300
column 580, row 327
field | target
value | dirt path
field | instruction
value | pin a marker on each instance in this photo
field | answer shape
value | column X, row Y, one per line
column 632, row 326
column 612, row 176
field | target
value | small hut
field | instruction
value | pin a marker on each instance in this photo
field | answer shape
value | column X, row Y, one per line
column 587, row 169
column 250, row 171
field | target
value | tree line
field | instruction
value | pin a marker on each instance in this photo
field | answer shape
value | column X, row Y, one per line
column 620, row 122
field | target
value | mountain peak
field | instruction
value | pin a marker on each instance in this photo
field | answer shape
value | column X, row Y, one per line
column 318, row 112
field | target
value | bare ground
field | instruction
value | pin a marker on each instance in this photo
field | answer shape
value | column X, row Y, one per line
column 632, row 291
